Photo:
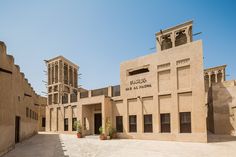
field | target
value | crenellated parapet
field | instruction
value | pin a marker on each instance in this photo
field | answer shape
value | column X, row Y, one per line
column 7, row 65
column 21, row 109
column 17, row 67
column 3, row 47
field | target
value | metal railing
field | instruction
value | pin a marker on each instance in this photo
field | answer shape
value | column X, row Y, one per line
column 115, row 90
column 84, row 94
column 101, row 91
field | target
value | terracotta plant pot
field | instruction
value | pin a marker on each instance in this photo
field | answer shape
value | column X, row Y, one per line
column 103, row 137
column 114, row 136
column 79, row 135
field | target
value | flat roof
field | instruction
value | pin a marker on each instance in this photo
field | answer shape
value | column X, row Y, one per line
column 63, row 58
column 175, row 27
column 217, row 67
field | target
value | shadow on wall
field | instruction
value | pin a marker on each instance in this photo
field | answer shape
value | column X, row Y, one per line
column 42, row 144
column 221, row 114
column 210, row 115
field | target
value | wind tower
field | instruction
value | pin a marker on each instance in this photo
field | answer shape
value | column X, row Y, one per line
column 62, row 81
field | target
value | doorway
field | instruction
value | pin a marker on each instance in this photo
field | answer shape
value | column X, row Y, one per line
column 17, row 129
column 97, row 122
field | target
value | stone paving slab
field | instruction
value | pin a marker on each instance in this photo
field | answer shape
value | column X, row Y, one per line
column 61, row 145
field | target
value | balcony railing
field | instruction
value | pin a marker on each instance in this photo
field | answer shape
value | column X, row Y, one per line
column 97, row 92
column 84, row 94
column 115, row 90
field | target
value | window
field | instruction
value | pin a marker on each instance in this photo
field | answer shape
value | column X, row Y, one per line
column 74, row 120
column 55, row 98
column 132, row 123
column 55, row 88
column 70, row 76
column 53, row 73
column 73, row 96
column 65, row 73
column 27, row 112
column 66, row 124
column 185, row 122
column 138, row 71
column 166, row 42
column 30, row 113
column 56, row 72
column 49, row 89
column 119, row 123
column 43, row 121
column 65, row 98
column 165, row 122
column 115, row 90
column 49, row 99
column 181, row 38
column 75, row 78
column 147, row 123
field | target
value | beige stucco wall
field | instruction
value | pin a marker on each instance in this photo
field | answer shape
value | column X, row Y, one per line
column 42, row 113
column 13, row 102
column 224, row 107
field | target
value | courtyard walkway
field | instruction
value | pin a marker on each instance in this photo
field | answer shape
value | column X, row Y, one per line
column 60, row 145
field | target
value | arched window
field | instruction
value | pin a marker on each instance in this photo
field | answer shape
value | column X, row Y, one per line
column 181, row 38
column 213, row 79
column 219, row 76
column 65, row 73
column 166, row 42
column 206, row 80
column 73, row 96
column 56, row 73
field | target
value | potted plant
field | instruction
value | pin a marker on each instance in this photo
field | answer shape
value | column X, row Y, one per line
column 78, row 129
column 102, row 135
column 113, row 133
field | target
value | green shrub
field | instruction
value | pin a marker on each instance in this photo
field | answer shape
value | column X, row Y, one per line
column 78, row 126
column 101, row 130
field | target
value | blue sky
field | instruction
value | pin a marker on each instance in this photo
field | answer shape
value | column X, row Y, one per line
column 99, row 35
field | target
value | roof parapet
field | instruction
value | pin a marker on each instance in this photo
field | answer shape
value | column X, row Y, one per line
column 3, row 48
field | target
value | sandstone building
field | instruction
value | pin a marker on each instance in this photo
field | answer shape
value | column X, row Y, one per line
column 220, row 99
column 22, row 111
column 166, row 95
column 62, row 89
column 160, row 96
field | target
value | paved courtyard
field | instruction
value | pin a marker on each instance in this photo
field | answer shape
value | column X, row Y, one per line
column 60, row 145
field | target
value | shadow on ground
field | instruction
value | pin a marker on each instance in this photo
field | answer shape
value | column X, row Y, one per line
column 40, row 145
column 220, row 138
